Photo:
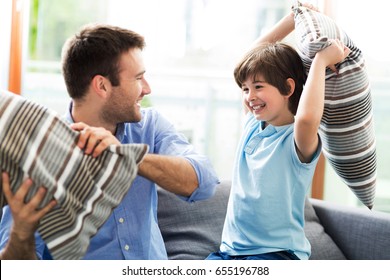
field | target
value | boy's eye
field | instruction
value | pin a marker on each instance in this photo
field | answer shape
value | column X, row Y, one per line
column 245, row 90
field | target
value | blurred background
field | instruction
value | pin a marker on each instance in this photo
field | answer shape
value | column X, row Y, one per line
column 192, row 48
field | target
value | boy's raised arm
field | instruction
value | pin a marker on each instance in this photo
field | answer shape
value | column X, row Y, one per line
column 279, row 31
column 311, row 103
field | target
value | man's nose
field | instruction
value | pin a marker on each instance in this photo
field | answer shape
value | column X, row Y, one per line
column 145, row 87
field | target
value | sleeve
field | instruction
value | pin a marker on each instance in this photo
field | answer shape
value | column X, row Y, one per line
column 5, row 225
column 314, row 159
column 168, row 141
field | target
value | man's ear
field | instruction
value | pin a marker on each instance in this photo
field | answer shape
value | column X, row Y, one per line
column 100, row 85
column 291, row 86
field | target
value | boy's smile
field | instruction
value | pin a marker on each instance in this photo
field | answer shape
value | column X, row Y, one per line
column 265, row 101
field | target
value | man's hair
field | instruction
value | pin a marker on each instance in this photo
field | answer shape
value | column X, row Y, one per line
column 276, row 62
column 95, row 50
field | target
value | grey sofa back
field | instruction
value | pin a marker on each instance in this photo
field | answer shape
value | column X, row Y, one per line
column 360, row 233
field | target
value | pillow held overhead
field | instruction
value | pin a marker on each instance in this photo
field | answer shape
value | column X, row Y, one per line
column 347, row 128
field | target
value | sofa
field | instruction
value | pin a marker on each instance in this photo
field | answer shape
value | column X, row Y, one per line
column 192, row 230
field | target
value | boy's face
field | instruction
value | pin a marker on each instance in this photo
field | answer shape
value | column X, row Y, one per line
column 265, row 101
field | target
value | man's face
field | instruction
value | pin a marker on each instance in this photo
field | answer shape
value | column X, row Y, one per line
column 124, row 103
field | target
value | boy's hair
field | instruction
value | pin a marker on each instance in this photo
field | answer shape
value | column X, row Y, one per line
column 95, row 50
column 276, row 62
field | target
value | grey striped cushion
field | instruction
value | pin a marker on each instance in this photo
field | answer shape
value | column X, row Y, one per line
column 347, row 129
column 35, row 142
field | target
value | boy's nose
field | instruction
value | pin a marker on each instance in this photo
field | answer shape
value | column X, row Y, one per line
column 251, row 96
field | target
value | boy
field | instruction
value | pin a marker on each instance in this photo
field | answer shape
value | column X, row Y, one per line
column 278, row 151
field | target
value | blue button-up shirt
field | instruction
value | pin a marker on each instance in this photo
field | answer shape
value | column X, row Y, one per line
column 132, row 231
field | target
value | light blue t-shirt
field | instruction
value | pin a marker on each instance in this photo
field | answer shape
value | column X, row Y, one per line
column 269, row 186
column 132, row 231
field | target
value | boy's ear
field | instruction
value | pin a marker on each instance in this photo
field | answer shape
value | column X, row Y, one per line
column 100, row 85
column 291, row 86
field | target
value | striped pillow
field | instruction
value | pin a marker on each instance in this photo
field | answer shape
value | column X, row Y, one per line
column 35, row 142
column 347, row 128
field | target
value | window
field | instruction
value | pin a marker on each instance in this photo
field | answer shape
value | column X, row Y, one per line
column 192, row 47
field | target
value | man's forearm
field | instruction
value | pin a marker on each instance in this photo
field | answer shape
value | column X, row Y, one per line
column 19, row 249
column 174, row 174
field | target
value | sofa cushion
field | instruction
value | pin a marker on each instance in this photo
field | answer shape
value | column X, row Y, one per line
column 347, row 128
column 36, row 143
column 191, row 231
column 361, row 234
column 322, row 245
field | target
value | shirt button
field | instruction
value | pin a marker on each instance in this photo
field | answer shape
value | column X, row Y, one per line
column 127, row 247
column 121, row 220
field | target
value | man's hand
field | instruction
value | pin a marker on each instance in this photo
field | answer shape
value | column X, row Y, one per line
column 26, row 217
column 94, row 140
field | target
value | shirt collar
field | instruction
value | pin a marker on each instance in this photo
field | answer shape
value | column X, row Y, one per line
column 68, row 113
column 120, row 131
column 270, row 129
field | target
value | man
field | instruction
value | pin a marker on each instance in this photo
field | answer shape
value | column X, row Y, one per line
column 105, row 77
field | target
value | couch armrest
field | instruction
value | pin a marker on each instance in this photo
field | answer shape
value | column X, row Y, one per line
column 360, row 233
